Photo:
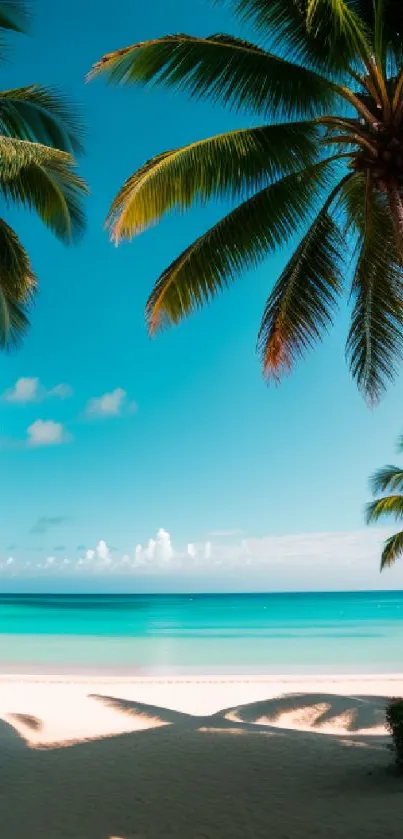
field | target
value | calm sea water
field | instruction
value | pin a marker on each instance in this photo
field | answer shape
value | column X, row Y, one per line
column 235, row 633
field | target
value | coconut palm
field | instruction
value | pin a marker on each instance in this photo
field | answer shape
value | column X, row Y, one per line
column 324, row 159
column 39, row 133
column 388, row 479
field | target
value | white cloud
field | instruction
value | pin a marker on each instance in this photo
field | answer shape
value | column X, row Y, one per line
column 293, row 562
column 102, row 550
column 46, row 433
column 62, row 391
column 24, row 390
column 28, row 390
column 111, row 404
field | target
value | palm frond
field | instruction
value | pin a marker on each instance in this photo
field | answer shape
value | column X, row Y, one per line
column 224, row 68
column 16, row 154
column 40, row 115
column 391, row 505
column 393, row 549
column 13, row 15
column 235, row 164
column 50, row 186
column 240, row 240
column 17, row 287
column 328, row 34
column 389, row 478
column 301, row 305
column 375, row 340
column 392, row 23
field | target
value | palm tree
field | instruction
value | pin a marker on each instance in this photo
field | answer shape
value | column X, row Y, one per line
column 325, row 159
column 39, row 134
column 388, row 479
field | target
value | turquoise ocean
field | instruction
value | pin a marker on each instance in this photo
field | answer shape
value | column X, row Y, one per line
column 360, row 632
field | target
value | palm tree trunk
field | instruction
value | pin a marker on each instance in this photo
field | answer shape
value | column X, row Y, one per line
column 396, row 211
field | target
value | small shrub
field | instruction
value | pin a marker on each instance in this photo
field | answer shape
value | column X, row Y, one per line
column 394, row 724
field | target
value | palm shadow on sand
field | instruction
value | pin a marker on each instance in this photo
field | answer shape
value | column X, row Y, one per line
column 358, row 712
column 192, row 778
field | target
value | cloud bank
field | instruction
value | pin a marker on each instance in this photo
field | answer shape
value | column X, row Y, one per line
column 304, row 561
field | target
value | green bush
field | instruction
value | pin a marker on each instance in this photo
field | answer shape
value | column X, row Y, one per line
column 394, row 724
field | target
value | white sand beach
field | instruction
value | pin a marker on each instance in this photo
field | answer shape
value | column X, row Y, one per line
column 197, row 758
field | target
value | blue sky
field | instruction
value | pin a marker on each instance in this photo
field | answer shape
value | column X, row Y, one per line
column 191, row 441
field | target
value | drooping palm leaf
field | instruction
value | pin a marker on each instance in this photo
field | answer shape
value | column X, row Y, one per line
column 375, row 340
column 328, row 34
column 232, row 164
column 52, row 188
column 17, row 154
column 17, row 287
column 391, row 505
column 393, row 549
column 389, row 478
column 240, row 240
column 13, row 15
column 301, row 305
column 224, row 68
column 40, row 115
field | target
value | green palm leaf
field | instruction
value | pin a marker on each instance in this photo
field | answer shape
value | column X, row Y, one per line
column 40, row 115
column 393, row 549
column 225, row 69
column 234, row 164
column 391, row 505
column 49, row 185
column 301, row 305
column 240, row 240
column 13, row 15
column 17, row 287
column 389, row 478
column 375, row 339
column 326, row 33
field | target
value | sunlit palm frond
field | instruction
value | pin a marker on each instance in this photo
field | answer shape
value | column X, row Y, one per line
column 329, row 34
column 16, row 154
column 240, row 240
column 389, row 478
column 235, row 164
column 301, row 305
column 17, row 287
column 40, row 115
column 225, row 69
column 393, row 549
column 391, row 505
column 52, row 188
column 375, row 340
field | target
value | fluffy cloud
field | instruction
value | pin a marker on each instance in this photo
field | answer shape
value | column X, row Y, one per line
column 46, row 433
column 31, row 390
column 111, row 404
column 304, row 561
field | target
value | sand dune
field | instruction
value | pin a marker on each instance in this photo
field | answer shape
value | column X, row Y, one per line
column 196, row 759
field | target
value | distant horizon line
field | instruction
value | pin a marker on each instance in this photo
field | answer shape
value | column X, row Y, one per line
column 194, row 593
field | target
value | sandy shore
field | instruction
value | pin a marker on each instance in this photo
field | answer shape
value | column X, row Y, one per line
column 197, row 758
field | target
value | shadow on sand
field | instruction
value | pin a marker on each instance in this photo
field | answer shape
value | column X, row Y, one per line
column 193, row 779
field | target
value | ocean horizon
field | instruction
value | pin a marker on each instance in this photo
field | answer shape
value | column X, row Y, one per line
column 257, row 633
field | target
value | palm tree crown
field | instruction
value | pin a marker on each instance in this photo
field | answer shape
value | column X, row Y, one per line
column 388, row 479
column 39, row 133
column 326, row 81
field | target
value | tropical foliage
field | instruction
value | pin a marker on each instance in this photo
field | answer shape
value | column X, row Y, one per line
column 39, row 133
column 325, row 87
column 389, row 480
